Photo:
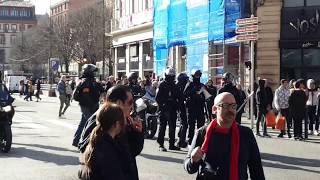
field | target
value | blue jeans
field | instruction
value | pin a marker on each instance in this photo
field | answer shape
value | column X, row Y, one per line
column 87, row 112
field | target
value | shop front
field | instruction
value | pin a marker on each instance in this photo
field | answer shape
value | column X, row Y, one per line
column 300, row 43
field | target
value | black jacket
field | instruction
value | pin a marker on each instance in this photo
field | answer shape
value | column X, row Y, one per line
column 109, row 161
column 168, row 96
column 193, row 98
column 297, row 103
column 269, row 94
column 131, row 140
column 230, row 88
column 261, row 98
column 249, row 155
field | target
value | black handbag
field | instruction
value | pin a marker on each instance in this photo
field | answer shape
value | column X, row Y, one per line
column 206, row 172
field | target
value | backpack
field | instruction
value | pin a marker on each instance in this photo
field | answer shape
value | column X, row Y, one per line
column 87, row 93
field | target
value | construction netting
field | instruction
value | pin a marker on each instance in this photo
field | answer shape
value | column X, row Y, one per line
column 197, row 42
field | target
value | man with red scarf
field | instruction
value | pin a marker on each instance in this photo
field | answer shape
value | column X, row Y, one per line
column 224, row 150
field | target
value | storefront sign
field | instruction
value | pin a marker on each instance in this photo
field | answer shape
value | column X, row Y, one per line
column 306, row 25
column 299, row 44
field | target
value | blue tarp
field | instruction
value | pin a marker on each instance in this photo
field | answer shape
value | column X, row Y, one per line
column 177, row 23
column 233, row 12
column 160, row 34
column 197, row 42
column 216, row 20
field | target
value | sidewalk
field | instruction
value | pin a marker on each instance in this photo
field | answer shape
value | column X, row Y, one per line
column 275, row 132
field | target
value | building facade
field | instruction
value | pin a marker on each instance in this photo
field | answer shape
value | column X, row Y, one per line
column 15, row 18
column 289, row 40
column 132, row 33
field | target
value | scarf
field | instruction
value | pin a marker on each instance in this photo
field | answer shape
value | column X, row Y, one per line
column 235, row 143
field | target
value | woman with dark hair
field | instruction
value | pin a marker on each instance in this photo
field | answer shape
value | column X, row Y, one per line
column 104, row 157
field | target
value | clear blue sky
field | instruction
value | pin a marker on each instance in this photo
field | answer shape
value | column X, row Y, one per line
column 43, row 6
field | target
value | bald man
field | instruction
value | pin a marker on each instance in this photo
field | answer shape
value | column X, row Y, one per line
column 224, row 150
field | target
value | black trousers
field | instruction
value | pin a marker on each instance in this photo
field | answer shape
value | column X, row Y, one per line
column 167, row 117
column 312, row 117
column 297, row 126
column 195, row 115
column 285, row 113
column 261, row 119
column 183, row 125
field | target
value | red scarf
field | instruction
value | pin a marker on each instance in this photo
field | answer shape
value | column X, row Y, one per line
column 235, row 143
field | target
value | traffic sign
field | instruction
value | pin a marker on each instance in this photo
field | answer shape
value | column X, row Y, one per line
column 247, row 37
column 247, row 29
column 247, row 21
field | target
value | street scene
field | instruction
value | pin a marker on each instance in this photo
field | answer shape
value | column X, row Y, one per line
column 42, row 150
column 159, row 89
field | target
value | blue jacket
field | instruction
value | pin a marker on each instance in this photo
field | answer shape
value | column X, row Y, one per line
column 62, row 88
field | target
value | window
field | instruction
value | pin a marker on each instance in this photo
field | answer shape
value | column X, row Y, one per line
column 313, row 3
column 6, row 27
column 29, row 26
column 133, row 51
column 293, row 3
column 311, row 57
column 21, row 27
column 291, row 58
column 12, row 39
column 2, row 39
column 14, row 27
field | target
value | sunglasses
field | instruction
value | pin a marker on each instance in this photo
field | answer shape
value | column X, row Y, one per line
column 228, row 106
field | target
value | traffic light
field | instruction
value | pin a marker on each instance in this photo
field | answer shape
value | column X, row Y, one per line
column 248, row 64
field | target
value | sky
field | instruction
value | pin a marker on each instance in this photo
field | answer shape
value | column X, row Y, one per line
column 43, row 6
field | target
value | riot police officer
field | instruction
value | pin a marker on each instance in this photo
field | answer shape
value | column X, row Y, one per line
column 133, row 84
column 168, row 99
column 195, row 102
column 228, row 86
column 183, row 79
column 87, row 93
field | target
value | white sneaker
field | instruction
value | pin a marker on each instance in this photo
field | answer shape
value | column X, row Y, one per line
column 310, row 132
column 315, row 132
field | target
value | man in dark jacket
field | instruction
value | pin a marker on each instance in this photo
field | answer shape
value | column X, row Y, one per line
column 183, row 79
column 88, row 94
column 230, row 88
column 297, row 106
column 168, row 98
column 224, row 149
column 262, row 107
column 195, row 102
column 133, row 137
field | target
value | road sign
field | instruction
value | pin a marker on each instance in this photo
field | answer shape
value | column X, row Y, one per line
column 247, row 29
column 247, row 37
column 247, row 21
column 54, row 63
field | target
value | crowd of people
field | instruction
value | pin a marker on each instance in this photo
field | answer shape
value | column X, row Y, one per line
column 30, row 88
column 106, row 135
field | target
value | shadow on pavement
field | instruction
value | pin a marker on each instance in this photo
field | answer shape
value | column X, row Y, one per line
column 61, row 160
column 46, row 147
column 290, row 162
column 162, row 158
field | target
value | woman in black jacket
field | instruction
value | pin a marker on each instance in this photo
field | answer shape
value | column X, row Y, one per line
column 104, row 157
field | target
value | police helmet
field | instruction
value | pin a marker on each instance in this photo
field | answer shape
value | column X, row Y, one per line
column 133, row 76
column 196, row 72
column 182, row 77
column 89, row 70
column 228, row 77
column 170, row 72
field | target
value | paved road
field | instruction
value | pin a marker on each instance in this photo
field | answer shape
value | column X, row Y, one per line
column 42, row 150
